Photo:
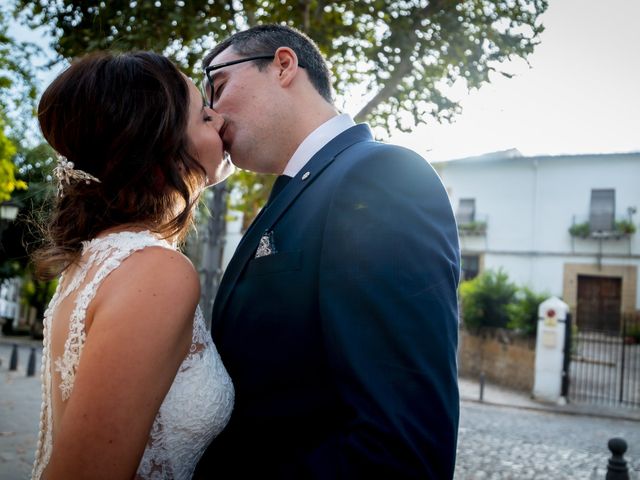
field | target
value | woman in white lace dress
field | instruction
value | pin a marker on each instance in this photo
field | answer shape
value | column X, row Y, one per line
column 133, row 387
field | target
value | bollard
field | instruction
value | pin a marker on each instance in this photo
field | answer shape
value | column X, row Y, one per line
column 13, row 363
column 617, row 466
column 31, row 366
column 481, row 386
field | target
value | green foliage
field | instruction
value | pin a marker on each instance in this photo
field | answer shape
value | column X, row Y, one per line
column 403, row 51
column 250, row 191
column 37, row 293
column 17, row 81
column 523, row 312
column 473, row 228
column 17, row 96
column 581, row 230
column 486, row 298
column 33, row 166
column 625, row 226
column 492, row 300
column 8, row 180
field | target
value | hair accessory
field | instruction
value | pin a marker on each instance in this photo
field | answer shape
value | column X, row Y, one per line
column 65, row 172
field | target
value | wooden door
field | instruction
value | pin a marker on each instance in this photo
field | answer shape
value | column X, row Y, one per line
column 599, row 303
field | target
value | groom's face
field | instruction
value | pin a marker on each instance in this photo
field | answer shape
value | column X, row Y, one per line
column 247, row 99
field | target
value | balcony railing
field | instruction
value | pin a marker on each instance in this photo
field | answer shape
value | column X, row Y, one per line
column 475, row 228
column 621, row 229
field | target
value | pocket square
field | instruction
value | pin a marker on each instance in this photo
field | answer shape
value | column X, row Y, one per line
column 266, row 246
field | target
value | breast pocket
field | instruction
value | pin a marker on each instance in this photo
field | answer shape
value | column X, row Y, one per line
column 276, row 263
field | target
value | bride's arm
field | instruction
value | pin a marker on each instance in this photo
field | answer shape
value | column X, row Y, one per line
column 140, row 332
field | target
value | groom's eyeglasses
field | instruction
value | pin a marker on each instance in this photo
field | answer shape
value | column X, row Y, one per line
column 208, row 89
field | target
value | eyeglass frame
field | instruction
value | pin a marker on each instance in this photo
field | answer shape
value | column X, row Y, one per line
column 218, row 66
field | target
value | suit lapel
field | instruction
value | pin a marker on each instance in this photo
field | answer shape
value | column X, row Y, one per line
column 269, row 216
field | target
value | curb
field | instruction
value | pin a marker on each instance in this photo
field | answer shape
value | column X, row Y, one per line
column 559, row 411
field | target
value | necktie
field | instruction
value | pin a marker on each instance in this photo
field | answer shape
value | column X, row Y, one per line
column 278, row 185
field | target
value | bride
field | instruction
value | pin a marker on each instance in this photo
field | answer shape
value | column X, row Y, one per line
column 133, row 386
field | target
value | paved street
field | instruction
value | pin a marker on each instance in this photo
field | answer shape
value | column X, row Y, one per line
column 495, row 442
column 513, row 443
column 19, row 411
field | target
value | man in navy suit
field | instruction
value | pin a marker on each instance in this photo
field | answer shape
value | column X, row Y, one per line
column 337, row 316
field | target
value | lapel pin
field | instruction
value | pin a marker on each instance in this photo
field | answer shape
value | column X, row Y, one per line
column 306, row 175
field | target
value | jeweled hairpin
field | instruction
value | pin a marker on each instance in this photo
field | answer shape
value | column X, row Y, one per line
column 65, row 172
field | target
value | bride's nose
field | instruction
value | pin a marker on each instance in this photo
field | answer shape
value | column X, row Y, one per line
column 217, row 119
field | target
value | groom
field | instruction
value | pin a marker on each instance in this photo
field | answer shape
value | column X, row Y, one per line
column 337, row 316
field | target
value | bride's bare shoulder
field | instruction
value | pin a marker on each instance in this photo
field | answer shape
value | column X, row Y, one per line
column 150, row 282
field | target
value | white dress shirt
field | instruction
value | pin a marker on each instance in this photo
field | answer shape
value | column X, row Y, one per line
column 316, row 140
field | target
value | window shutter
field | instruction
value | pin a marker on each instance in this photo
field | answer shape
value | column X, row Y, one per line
column 466, row 210
column 603, row 210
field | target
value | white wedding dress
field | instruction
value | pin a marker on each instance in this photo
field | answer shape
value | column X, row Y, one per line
column 199, row 402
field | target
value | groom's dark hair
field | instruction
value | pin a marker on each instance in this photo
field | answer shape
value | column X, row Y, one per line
column 266, row 39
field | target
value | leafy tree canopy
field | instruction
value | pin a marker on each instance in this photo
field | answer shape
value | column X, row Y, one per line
column 401, row 52
column 8, row 181
column 17, row 93
column 17, row 81
column 400, row 49
column 33, row 166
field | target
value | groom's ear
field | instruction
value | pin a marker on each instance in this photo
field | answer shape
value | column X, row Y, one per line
column 286, row 63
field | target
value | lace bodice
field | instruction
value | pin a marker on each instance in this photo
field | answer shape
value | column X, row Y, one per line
column 199, row 402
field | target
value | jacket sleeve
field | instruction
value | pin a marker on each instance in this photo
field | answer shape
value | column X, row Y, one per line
column 389, row 273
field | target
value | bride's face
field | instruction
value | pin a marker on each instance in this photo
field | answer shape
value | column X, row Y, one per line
column 203, row 132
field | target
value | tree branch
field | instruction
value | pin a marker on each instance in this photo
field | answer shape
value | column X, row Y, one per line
column 390, row 87
column 404, row 67
column 307, row 15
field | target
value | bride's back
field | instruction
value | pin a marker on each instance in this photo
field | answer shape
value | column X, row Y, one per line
column 199, row 400
column 69, row 316
column 132, row 383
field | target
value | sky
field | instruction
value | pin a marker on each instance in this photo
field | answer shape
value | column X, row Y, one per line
column 580, row 93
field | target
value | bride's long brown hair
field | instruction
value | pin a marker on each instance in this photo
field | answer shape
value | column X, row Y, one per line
column 123, row 119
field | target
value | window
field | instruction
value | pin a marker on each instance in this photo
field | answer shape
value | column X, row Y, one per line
column 466, row 210
column 603, row 209
column 470, row 266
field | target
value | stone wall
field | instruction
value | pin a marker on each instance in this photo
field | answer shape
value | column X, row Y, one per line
column 505, row 358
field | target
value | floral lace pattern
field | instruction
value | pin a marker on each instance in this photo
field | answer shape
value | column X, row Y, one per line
column 199, row 402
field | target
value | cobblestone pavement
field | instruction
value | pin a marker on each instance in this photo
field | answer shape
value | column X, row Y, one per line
column 495, row 442
column 512, row 443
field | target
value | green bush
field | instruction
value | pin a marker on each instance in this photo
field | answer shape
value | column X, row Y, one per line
column 485, row 300
column 492, row 300
column 523, row 312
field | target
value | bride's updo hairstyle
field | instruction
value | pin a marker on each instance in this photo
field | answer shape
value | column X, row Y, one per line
column 121, row 118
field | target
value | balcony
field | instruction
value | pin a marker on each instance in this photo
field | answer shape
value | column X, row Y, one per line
column 476, row 228
column 619, row 229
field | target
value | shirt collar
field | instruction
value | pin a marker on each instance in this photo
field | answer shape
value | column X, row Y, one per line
column 316, row 140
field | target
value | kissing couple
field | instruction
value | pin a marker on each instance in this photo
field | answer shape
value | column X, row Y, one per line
column 332, row 351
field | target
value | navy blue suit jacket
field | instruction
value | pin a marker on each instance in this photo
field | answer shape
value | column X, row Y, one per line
column 342, row 345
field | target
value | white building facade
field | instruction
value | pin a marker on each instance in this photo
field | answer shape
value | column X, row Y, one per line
column 516, row 213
